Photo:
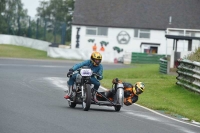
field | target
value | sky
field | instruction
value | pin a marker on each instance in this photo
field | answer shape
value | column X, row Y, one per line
column 31, row 6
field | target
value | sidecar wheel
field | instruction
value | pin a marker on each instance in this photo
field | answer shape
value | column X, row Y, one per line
column 117, row 108
column 72, row 105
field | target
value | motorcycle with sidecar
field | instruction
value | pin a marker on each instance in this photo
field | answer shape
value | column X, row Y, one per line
column 83, row 92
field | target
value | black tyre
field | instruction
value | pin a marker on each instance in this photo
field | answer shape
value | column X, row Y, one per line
column 86, row 101
column 71, row 104
column 117, row 108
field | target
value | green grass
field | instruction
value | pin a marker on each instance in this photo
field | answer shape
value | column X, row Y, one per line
column 161, row 92
column 13, row 51
column 22, row 52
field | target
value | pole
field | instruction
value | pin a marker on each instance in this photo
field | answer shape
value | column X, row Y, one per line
column 19, row 26
column 45, row 21
column 37, row 28
column 29, row 27
column 63, row 34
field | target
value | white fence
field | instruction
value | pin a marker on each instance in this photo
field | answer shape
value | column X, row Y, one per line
column 78, row 54
column 59, row 52
column 189, row 75
column 24, row 41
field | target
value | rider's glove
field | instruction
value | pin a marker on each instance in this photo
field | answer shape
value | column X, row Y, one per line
column 70, row 72
column 115, row 81
column 99, row 77
column 127, row 103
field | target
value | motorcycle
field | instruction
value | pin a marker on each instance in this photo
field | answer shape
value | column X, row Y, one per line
column 84, row 93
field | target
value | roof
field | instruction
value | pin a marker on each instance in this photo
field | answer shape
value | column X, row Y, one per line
column 147, row 43
column 147, row 14
column 181, row 37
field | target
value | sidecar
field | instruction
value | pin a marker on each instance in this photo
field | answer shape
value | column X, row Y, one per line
column 115, row 99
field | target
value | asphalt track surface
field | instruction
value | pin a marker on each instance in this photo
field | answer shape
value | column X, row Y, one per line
column 31, row 101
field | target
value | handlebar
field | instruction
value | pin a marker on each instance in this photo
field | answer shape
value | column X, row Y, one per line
column 69, row 75
column 95, row 74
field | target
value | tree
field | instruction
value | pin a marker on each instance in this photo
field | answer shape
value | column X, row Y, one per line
column 13, row 16
column 2, row 17
column 56, row 13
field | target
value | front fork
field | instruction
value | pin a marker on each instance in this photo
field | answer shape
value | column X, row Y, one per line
column 82, row 91
column 83, row 96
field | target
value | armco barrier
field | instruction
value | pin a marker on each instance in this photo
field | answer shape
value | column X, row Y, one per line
column 189, row 74
column 145, row 58
column 164, row 66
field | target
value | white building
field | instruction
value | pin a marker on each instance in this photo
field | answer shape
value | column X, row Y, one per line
column 135, row 26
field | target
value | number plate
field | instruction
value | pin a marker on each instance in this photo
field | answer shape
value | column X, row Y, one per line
column 86, row 72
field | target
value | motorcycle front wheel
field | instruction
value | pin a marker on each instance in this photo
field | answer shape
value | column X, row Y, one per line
column 86, row 95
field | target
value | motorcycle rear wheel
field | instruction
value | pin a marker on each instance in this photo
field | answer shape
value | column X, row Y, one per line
column 86, row 101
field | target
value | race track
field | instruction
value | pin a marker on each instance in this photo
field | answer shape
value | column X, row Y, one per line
column 31, row 101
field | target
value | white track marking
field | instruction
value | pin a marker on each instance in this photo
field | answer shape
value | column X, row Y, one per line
column 58, row 82
column 166, row 116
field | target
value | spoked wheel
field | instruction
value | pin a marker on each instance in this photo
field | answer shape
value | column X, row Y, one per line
column 117, row 108
column 86, row 97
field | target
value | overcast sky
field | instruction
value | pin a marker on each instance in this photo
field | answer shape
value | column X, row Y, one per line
column 31, row 6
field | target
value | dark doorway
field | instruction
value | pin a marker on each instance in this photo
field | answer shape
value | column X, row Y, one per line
column 153, row 50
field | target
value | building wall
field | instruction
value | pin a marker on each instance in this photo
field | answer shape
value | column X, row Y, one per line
column 134, row 44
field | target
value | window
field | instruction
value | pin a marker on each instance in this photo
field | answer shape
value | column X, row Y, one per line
column 141, row 33
column 189, row 45
column 188, row 33
column 181, row 33
column 91, row 31
column 136, row 31
column 101, row 31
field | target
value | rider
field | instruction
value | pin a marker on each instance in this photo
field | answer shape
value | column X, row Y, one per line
column 131, row 92
column 95, row 64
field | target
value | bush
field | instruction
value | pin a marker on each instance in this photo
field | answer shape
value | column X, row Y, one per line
column 194, row 56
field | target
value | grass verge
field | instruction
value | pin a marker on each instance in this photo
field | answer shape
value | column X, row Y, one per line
column 13, row 51
column 21, row 52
